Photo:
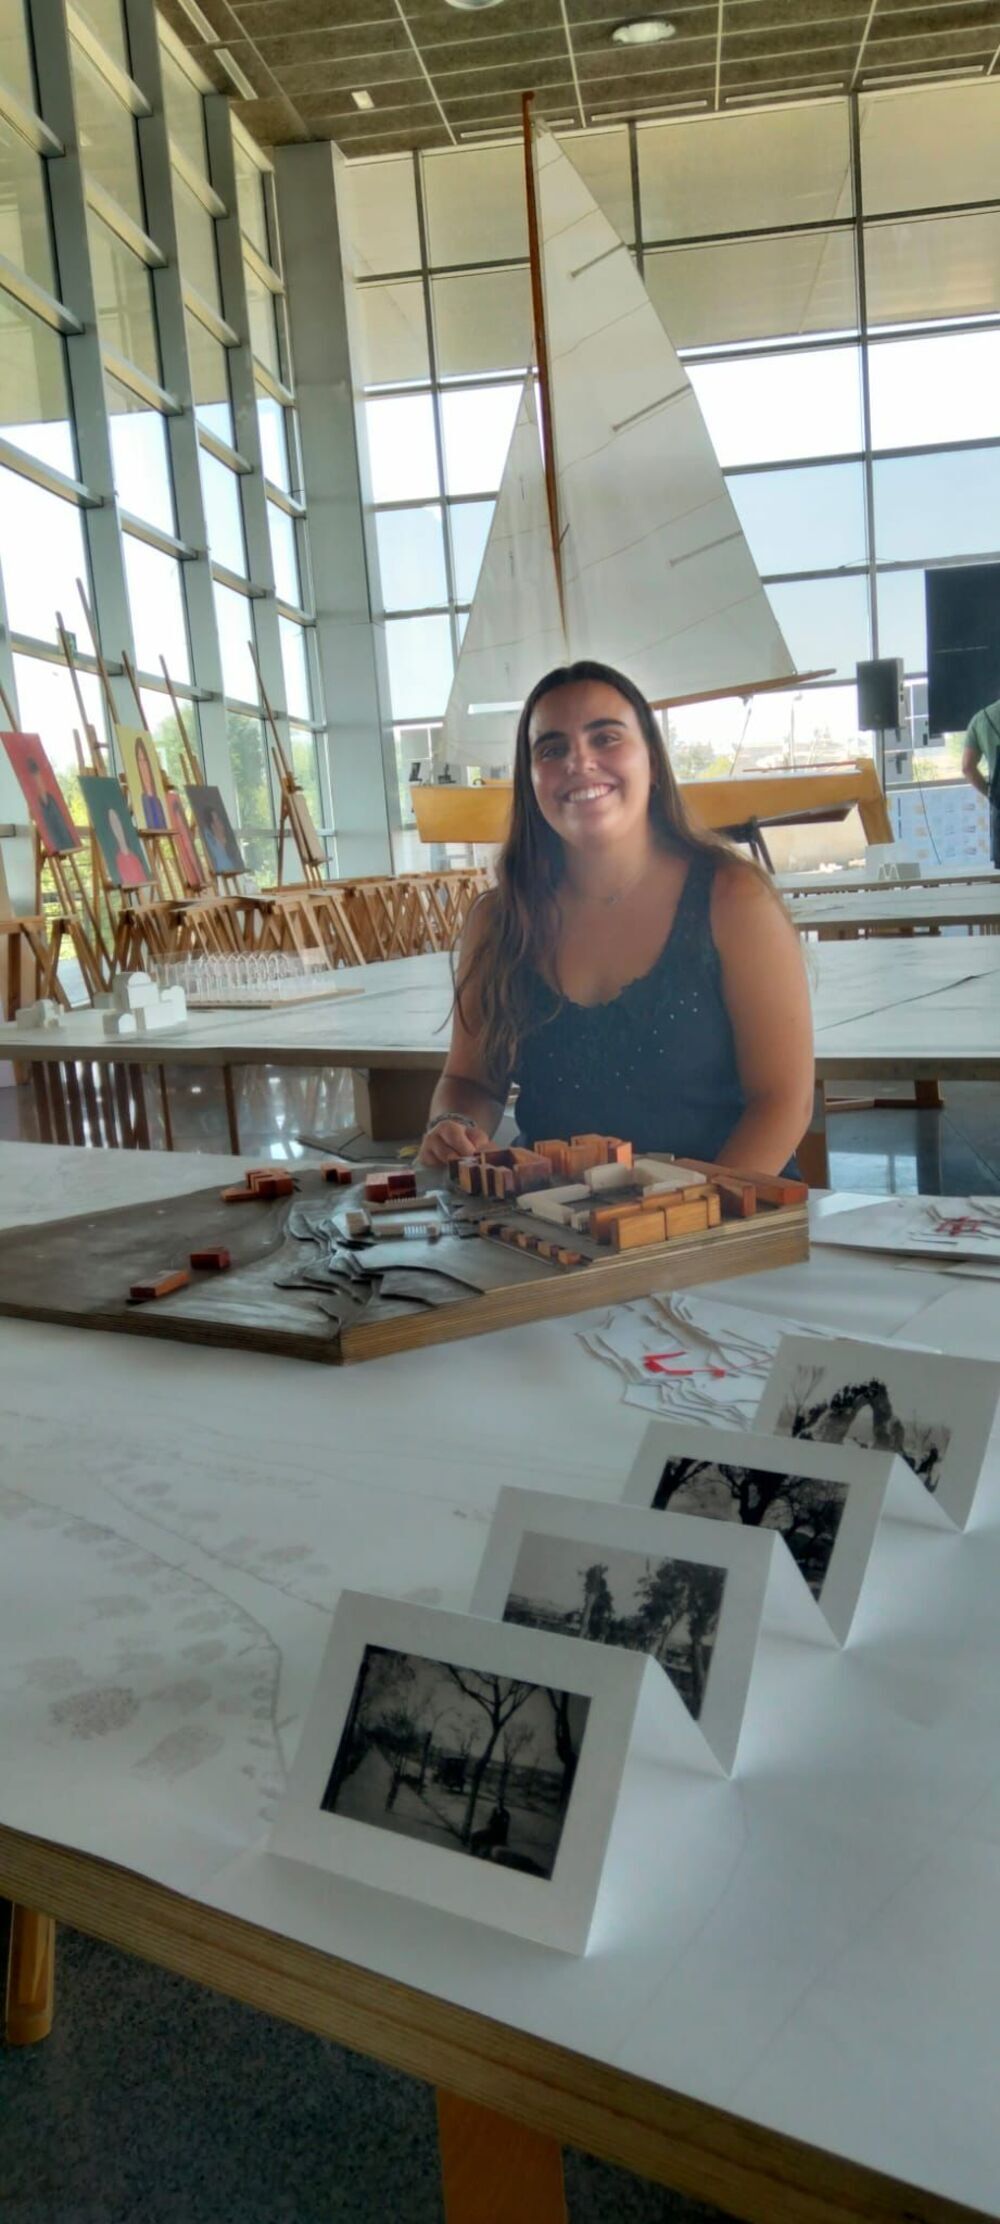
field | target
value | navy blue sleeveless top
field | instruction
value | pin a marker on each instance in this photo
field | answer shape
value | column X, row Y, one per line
column 656, row 1064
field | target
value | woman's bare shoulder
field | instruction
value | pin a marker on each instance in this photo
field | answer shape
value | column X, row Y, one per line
column 743, row 900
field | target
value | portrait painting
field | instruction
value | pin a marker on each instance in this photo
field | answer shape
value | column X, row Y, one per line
column 192, row 870
column 143, row 778
column 125, row 860
column 215, row 828
column 50, row 812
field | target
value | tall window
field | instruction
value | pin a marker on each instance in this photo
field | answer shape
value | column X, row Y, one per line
column 124, row 320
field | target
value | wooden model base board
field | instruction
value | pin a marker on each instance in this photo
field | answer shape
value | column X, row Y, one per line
column 78, row 1272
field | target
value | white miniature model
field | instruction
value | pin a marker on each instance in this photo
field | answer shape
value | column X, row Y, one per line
column 662, row 1173
column 43, row 1014
column 893, row 861
column 139, row 1007
column 556, row 1205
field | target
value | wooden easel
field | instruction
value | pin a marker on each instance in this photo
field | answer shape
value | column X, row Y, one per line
column 77, row 914
column 168, row 880
column 294, row 812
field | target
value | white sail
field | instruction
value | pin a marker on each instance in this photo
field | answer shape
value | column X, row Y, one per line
column 657, row 576
column 514, row 632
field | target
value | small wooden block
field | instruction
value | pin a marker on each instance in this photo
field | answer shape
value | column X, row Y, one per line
column 737, row 1195
column 334, row 1171
column 570, row 1258
column 258, row 1173
column 159, row 1285
column 635, row 1229
column 657, row 1200
column 239, row 1194
column 211, row 1262
column 617, row 1152
column 714, row 1204
column 274, row 1185
column 685, row 1220
column 776, row 1189
column 377, row 1190
column 402, row 1185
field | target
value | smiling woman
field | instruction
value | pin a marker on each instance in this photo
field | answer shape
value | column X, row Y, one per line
column 632, row 974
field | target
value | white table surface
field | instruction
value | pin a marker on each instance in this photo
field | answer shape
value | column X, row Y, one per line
column 975, row 903
column 835, row 882
column 811, row 1944
column 916, row 992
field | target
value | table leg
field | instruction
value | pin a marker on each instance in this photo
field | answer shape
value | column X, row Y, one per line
column 927, row 1096
column 31, row 1966
column 494, row 2171
column 813, row 1153
column 392, row 1102
column 229, row 1089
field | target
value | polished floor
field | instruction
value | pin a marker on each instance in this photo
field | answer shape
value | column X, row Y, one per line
column 155, row 2102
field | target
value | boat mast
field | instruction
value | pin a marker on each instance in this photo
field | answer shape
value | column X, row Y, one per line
column 542, row 345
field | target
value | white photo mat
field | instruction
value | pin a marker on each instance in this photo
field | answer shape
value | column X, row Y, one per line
column 554, row 1534
column 555, row 1910
column 724, row 1461
column 935, row 1410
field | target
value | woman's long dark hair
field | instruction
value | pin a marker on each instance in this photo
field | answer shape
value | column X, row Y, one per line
column 518, row 923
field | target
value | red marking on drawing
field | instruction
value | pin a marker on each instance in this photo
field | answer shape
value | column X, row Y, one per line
column 659, row 1363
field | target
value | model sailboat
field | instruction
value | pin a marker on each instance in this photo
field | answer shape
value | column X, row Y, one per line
column 614, row 534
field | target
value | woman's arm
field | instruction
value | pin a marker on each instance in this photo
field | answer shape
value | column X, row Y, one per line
column 767, row 997
column 464, row 1086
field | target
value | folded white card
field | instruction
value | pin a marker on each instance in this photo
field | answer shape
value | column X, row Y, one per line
column 471, row 1765
column 689, row 1593
column 823, row 1500
column 932, row 1410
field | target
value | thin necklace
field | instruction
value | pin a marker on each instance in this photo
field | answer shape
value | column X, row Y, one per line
column 619, row 893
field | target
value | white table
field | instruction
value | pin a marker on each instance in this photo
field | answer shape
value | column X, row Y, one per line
column 834, row 883
column 913, row 909
column 792, row 1980
column 915, row 1011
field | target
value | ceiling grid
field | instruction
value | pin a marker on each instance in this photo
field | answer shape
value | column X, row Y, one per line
column 440, row 75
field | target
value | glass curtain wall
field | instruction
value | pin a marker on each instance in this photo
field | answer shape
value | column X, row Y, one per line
column 829, row 275
column 122, row 462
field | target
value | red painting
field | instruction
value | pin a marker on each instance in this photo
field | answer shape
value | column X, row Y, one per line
column 42, row 793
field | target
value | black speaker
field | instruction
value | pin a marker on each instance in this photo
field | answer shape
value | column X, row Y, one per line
column 963, row 643
column 881, row 702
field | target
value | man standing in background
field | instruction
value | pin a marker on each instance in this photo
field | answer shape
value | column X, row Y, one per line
column 983, row 738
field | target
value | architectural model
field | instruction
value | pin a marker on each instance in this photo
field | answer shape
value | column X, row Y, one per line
column 594, row 1186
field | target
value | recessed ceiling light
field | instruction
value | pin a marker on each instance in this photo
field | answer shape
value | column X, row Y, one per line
column 362, row 100
column 472, row 5
column 642, row 30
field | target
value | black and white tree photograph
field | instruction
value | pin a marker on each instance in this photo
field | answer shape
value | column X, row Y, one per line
column 667, row 1607
column 463, row 1759
column 807, row 1513
column 819, row 1403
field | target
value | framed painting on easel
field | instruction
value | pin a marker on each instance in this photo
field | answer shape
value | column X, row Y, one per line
column 125, row 860
column 42, row 793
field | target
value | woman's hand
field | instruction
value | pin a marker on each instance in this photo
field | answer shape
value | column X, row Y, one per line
column 451, row 1139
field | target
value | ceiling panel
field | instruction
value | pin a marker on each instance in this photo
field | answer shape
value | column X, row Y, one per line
column 439, row 75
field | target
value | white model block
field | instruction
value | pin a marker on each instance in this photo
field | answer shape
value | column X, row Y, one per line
column 131, row 991
column 152, row 1019
column 554, row 1205
column 120, row 1023
column 43, row 1014
column 610, row 1177
column 661, row 1173
column 893, row 861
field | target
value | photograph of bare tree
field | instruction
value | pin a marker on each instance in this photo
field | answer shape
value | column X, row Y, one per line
column 818, row 1404
column 667, row 1607
column 807, row 1513
column 476, row 1763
